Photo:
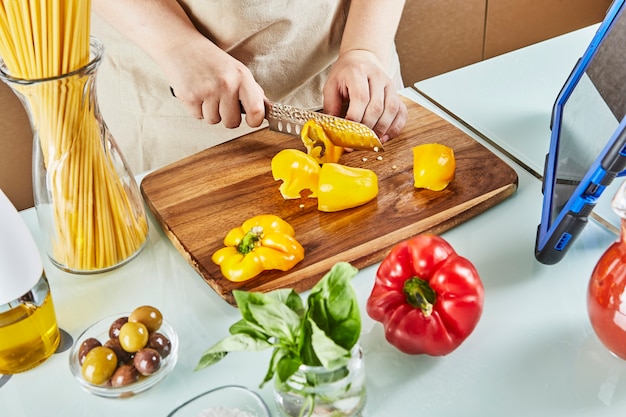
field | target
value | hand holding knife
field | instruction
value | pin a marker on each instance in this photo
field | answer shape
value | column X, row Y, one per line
column 342, row 132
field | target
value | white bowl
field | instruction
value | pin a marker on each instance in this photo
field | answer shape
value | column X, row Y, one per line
column 100, row 331
column 227, row 397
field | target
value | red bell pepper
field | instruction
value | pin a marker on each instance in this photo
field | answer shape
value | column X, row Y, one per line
column 428, row 298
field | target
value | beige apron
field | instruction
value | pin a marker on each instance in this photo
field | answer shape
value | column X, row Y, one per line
column 288, row 45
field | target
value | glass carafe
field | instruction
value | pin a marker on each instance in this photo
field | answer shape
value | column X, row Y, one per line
column 88, row 203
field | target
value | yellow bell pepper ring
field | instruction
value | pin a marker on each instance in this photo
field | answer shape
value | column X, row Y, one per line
column 342, row 187
column 433, row 166
column 318, row 144
column 261, row 243
column 298, row 171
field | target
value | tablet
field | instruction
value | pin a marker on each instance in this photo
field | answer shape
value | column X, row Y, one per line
column 588, row 138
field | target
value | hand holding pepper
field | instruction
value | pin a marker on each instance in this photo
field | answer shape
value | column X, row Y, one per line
column 428, row 298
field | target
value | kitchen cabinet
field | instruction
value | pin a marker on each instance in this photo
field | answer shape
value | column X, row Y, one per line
column 437, row 36
column 16, row 142
column 512, row 24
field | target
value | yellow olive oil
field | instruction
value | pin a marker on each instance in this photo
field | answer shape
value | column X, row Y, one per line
column 29, row 333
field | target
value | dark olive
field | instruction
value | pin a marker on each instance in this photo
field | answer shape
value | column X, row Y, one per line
column 150, row 316
column 124, row 375
column 160, row 343
column 122, row 355
column 147, row 361
column 85, row 347
column 114, row 330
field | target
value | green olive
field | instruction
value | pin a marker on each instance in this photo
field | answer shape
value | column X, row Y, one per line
column 133, row 336
column 148, row 315
column 99, row 365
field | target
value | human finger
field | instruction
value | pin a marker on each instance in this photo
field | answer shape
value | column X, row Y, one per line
column 194, row 109
column 375, row 108
column 358, row 93
column 387, row 112
column 397, row 124
column 229, row 111
column 334, row 100
column 252, row 100
column 211, row 111
column 194, row 106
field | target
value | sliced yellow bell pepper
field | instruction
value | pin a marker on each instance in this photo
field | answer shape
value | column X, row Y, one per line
column 433, row 166
column 337, row 187
column 261, row 243
column 318, row 144
column 342, row 187
column 298, row 171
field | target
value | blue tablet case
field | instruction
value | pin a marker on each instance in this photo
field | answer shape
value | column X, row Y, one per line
column 588, row 141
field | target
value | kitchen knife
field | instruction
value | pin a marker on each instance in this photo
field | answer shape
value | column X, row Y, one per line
column 288, row 119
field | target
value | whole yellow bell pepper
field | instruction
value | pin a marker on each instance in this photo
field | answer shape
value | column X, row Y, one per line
column 342, row 187
column 318, row 144
column 433, row 166
column 261, row 243
column 298, row 171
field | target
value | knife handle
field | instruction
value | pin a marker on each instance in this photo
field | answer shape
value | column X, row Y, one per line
column 243, row 111
column 268, row 107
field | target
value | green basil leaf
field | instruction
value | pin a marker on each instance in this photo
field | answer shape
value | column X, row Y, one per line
column 317, row 310
column 233, row 343
column 305, row 345
column 244, row 327
column 277, row 320
column 267, row 313
column 341, row 299
column 330, row 354
column 333, row 305
column 347, row 333
column 294, row 302
column 243, row 299
column 287, row 366
column 276, row 355
column 290, row 298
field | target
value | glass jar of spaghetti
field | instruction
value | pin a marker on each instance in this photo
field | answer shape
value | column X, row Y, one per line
column 88, row 203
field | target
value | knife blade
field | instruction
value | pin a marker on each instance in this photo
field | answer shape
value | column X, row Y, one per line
column 288, row 119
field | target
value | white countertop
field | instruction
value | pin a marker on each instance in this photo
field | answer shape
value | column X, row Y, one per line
column 533, row 352
column 507, row 100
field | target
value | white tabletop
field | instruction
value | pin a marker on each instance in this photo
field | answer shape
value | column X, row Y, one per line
column 533, row 352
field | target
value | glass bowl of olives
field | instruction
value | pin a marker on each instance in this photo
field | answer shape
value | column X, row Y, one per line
column 125, row 354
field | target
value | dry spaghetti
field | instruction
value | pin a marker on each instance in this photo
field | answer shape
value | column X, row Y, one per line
column 97, row 216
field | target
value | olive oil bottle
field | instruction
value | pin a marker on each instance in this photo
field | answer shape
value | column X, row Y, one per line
column 28, row 330
column 29, row 333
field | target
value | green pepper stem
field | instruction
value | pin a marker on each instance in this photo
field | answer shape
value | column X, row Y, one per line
column 250, row 240
column 420, row 294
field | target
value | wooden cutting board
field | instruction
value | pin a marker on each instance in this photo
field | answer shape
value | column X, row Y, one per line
column 197, row 200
